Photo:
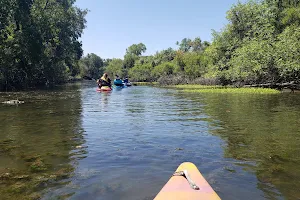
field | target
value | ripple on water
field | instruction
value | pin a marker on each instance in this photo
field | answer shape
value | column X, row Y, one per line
column 75, row 142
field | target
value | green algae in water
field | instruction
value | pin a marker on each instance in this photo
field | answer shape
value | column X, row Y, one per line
column 38, row 165
column 192, row 87
column 224, row 89
column 35, row 145
column 144, row 83
column 236, row 91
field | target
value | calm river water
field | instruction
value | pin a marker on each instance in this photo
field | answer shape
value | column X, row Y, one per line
column 75, row 143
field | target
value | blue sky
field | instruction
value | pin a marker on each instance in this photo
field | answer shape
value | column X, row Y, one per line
column 114, row 25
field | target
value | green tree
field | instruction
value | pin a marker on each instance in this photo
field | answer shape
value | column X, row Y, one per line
column 185, row 44
column 141, row 72
column 132, row 54
column 166, row 55
column 228, row 53
column 106, row 62
column 39, row 42
column 291, row 16
column 195, row 64
column 197, row 45
column 163, row 69
column 288, row 55
column 91, row 66
column 136, row 49
column 254, row 62
column 251, row 20
column 115, row 67
column 179, row 61
column 129, row 60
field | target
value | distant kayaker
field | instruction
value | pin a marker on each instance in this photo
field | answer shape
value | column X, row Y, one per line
column 118, row 81
column 125, row 80
column 117, row 77
column 104, row 81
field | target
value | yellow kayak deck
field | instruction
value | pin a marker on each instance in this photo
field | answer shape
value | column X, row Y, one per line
column 178, row 187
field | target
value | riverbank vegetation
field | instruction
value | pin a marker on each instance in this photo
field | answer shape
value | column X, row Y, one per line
column 259, row 45
column 39, row 42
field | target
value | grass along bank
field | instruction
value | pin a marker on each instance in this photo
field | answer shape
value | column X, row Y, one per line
column 223, row 89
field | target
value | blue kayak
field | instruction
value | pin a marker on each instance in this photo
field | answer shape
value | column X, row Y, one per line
column 118, row 82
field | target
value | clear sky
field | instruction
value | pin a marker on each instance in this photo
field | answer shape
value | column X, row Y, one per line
column 114, row 25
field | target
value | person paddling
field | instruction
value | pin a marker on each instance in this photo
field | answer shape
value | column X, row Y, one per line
column 118, row 81
column 104, row 81
column 126, row 80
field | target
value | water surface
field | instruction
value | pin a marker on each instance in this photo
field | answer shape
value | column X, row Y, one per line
column 75, row 143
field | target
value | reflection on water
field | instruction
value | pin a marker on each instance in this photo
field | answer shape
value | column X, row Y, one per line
column 136, row 142
column 39, row 141
column 263, row 133
column 104, row 100
column 76, row 143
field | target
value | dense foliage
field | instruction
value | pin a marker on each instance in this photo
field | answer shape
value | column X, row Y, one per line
column 260, row 44
column 91, row 66
column 39, row 42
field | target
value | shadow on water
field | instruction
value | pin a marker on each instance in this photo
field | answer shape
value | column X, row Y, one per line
column 40, row 141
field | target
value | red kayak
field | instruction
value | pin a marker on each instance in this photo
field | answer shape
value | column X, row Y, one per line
column 104, row 89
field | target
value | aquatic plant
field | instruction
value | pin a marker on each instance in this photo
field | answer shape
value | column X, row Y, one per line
column 188, row 86
column 223, row 89
column 144, row 83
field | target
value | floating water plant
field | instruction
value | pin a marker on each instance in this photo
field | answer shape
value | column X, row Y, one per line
column 223, row 89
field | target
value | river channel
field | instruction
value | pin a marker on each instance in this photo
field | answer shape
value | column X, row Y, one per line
column 72, row 142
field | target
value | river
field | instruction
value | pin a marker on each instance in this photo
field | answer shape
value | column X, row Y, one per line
column 72, row 142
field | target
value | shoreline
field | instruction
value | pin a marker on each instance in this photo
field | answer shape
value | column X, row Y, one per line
column 195, row 88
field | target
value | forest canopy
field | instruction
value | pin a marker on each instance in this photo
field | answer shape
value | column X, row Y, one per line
column 39, row 42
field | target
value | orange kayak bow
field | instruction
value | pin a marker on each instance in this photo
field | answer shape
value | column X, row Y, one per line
column 187, row 183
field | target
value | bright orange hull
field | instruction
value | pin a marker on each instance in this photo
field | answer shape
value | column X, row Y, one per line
column 178, row 188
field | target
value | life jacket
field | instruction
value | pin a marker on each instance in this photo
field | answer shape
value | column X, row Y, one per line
column 105, row 81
